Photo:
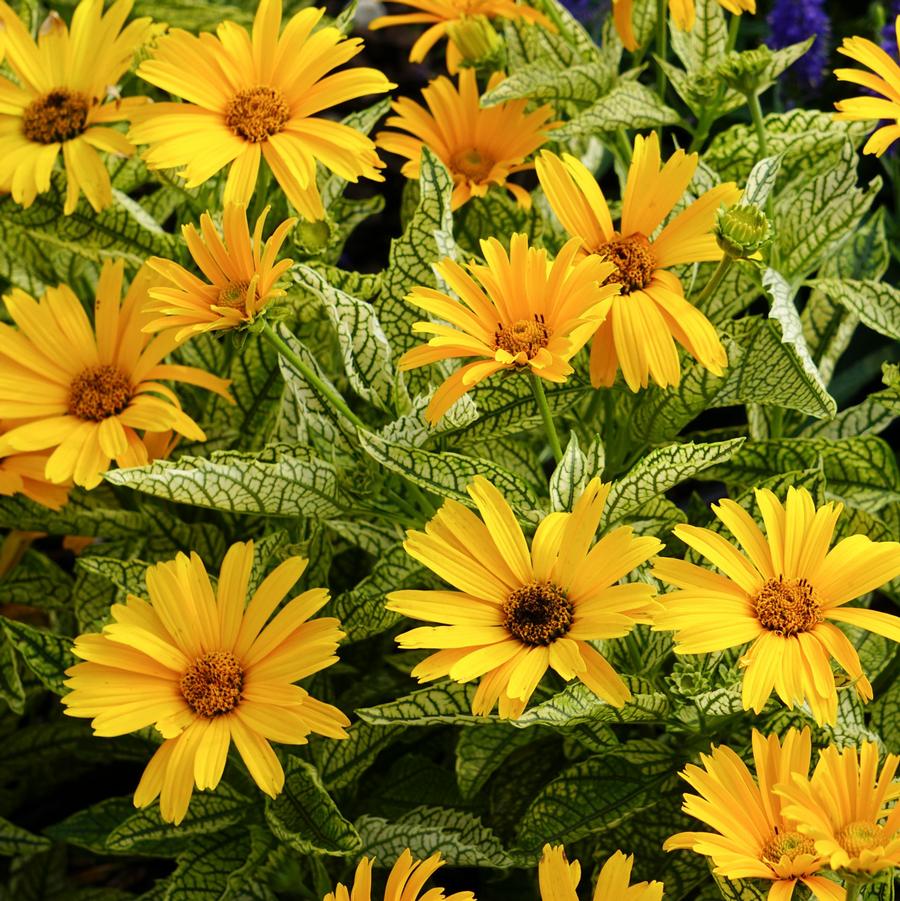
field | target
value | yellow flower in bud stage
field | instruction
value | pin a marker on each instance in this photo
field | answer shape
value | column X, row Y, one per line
column 559, row 879
column 503, row 325
column 87, row 390
column 651, row 313
column 206, row 670
column 883, row 79
column 848, row 808
column 405, row 882
column 683, row 13
column 61, row 103
column 480, row 146
column 517, row 611
column 478, row 43
column 241, row 273
column 249, row 98
column 784, row 594
column 754, row 837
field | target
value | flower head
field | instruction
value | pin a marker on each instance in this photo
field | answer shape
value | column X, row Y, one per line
column 256, row 97
column 783, row 594
column 519, row 311
column 205, row 670
column 88, row 390
column 651, row 312
column 683, row 13
column 559, row 879
column 241, row 274
column 515, row 612
column 479, row 146
column 61, row 102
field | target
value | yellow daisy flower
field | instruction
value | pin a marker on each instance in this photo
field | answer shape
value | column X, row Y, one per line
column 783, row 594
column 754, row 838
column 88, row 389
column 559, row 879
column 847, row 808
column 884, row 79
column 479, row 146
column 438, row 14
column 248, row 98
column 240, row 271
column 683, row 13
column 205, row 671
column 651, row 310
column 405, row 882
column 62, row 103
column 505, row 326
column 23, row 473
column 515, row 612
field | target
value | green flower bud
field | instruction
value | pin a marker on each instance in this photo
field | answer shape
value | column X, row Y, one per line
column 703, row 87
column 478, row 43
column 312, row 237
column 741, row 230
column 746, row 72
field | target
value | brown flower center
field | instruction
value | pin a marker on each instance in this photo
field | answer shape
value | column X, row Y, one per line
column 786, row 844
column 634, row 260
column 787, row 606
column 860, row 835
column 212, row 685
column 528, row 335
column 233, row 295
column 472, row 163
column 538, row 613
column 255, row 114
column 99, row 392
column 57, row 116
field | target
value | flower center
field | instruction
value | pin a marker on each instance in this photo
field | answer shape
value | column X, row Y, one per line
column 212, row 685
column 99, row 392
column 233, row 295
column 524, row 335
column 787, row 606
column 57, row 116
column 634, row 260
column 472, row 163
column 860, row 835
column 255, row 114
column 538, row 613
column 786, row 844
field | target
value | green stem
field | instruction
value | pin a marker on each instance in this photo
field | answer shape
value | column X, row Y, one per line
column 330, row 395
column 624, row 145
column 662, row 37
column 733, row 27
column 546, row 416
column 714, row 280
column 853, row 887
column 757, row 116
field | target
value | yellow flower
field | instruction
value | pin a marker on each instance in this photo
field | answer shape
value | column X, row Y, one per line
column 884, row 79
column 23, row 473
column 479, row 146
column 847, row 808
column 651, row 310
column 405, row 882
column 88, row 389
column 252, row 97
column 241, row 274
column 61, row 102
column 559, row 879
column 754, row 837
column 205, row 671
column 438, row 14
column 517, row 611
column 783, row 595
column 683, row 14
column 504, row 326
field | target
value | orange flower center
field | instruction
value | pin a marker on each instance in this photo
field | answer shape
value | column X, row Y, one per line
column 787, row 606
column 255, row 114
column 538, row 613
column 524, row 335
column 99, row 392
column 860, row 835
column 473, row 164
column 57, row 116
column 233, row 295
column 212, row 685
column 786, row 844
column 633, row 259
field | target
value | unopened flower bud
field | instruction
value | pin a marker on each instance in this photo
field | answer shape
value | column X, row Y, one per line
column 742, row 230
column 746, row 72
column 478, row 43
column 312, row 237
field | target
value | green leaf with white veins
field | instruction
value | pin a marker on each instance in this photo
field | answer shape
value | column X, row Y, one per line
column 579, row 84
column 628, row 105
column 877, row 304
column 569, row 477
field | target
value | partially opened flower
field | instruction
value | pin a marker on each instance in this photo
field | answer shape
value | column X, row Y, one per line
column 520, row 311
column 24, row 473
column 883, row 80
column 62, row 103
column 516, row 611
column 405, row 882
column 784, row 594
column 241, row 275
column 480, row 146
column 753, row 836
column 651, row 313
column 848, row 808
column 205, row 670
column 559, row 879
column 249, row 98
column 683, row 13
column 90, row 391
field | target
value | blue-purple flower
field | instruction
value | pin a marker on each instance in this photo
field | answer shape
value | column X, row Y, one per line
column 792, row 21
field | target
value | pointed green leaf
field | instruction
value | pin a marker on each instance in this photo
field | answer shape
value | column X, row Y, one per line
column 45, row 653
column 628, row 105
column 876, row 304
column 569, row 477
